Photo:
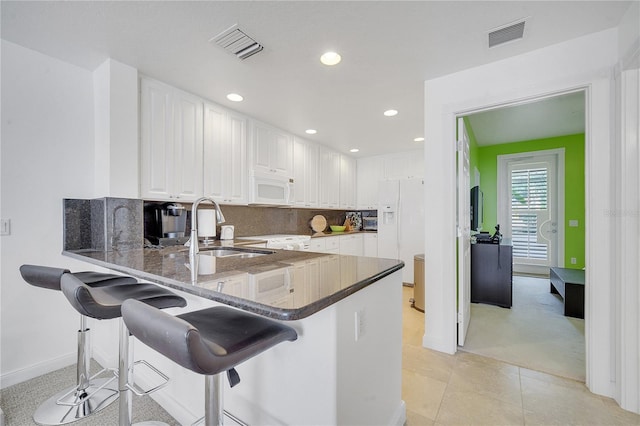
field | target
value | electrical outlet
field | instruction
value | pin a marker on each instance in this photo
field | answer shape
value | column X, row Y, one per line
column 573, row 223
column 359, row 324
column 573, row 261
column 5, row 226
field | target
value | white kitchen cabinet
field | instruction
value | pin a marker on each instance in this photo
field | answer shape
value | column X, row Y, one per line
column 347, row 182
column 272, row 150
column 225, row 155
column 305, row 278
column 330, row 277
column 332, row 245
column 171, row 143
column 305, row 174
column 329, row 178
column 370, row 171
column 317, row 245
column 235, row 285
column 351, row 244
column 370, row 244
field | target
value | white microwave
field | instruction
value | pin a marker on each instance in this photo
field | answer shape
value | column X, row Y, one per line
column 270, row 189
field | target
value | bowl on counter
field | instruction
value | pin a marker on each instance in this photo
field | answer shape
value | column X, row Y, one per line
column 337, row 228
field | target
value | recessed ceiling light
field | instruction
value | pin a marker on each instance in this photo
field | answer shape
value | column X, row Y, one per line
column 311, row 131
column 390, row 112
column 354, row 150
column 418, row 139
column 234, row 97
column 330, row 58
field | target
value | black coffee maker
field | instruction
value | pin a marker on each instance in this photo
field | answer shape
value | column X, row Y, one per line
column 165, row 223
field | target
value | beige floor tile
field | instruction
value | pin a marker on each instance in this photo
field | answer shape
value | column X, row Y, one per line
column 415, row 419
column 470, row 408
column 488, row 382
column 426, row 362
column 618, row 415
column 422, row 395
column 548, row 403
column 550, row 378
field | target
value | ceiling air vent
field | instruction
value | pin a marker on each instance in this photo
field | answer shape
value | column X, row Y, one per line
column 236, row 42
column 507, row 33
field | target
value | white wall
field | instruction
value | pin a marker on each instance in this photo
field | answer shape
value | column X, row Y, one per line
column 47, row 154
column 116, row 130
column 626, row 214
column 585, row 62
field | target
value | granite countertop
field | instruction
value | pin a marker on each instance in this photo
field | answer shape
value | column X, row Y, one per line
column 335, row 234
column 285, row 285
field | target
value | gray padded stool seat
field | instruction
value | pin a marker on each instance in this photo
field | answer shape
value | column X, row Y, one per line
column 105, row 303
column 90, row 394
column 208, row 341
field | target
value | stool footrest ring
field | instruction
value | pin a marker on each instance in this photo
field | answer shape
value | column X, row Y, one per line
column 80, row 401
column 133, row 387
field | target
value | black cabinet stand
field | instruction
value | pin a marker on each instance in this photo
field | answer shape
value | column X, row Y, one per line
column 491, row 274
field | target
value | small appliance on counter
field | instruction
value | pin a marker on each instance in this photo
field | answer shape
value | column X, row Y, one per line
column 165, row 223
column 226, row 232
column 369, row 223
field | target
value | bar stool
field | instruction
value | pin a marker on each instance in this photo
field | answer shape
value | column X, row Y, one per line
column 209, row 341
column 90, row 394
column 105, row 303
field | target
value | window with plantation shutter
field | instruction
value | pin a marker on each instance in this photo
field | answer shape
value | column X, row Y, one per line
column 529, row 192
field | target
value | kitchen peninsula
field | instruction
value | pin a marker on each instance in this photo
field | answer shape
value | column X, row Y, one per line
column 345, row 367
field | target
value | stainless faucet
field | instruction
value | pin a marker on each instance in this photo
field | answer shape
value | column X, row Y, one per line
column 193, row 245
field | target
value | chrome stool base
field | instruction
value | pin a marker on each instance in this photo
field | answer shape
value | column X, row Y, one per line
column 51, row 412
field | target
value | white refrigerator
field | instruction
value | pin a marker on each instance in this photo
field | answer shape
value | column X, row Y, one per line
column 401, row 222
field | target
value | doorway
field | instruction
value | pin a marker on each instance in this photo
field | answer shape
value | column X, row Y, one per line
column 531, row 208
column 524, row 191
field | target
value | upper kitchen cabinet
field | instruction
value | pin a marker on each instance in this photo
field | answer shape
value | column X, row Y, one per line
column 225, row 155
column 347, row 182
column 305, row 174
column 272, row 151
column 171, row 143
column 329, row 178
column 370, row 172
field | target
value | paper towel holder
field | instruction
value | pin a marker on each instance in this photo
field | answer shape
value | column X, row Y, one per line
column 206, row 226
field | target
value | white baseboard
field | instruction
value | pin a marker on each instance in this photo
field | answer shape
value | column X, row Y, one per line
column 438, row 345
column 400, row 416
column 18, row 376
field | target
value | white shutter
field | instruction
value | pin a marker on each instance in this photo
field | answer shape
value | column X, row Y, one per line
column 529, row 191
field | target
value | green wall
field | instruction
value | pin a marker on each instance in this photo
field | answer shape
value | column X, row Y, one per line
column 487, row 162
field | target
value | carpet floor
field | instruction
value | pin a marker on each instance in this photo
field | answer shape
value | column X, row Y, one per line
column 533, row 334
column 21, row 400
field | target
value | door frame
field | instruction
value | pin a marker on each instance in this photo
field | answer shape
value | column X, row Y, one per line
column 503, row 163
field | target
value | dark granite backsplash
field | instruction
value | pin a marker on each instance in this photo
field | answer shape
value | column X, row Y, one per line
column 250, row 221
column 103, row 224
column 107, row 224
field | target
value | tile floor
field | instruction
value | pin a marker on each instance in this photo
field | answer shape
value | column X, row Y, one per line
column 467, row 389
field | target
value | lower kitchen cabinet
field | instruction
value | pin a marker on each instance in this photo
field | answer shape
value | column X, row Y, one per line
column 370, row 245
column 351, row 244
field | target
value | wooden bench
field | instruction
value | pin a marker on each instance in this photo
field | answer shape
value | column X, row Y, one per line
column 569, row 283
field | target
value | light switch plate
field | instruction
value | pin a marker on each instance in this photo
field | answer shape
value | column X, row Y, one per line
column 5, row 226
column 573, row 223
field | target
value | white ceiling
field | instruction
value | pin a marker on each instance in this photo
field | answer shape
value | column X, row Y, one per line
column 554, row 116
column 389, row 48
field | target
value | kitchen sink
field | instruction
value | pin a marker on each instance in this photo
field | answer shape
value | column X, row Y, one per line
column 233, row 252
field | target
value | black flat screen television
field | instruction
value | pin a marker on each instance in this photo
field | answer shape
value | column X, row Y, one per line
column 476, row 209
